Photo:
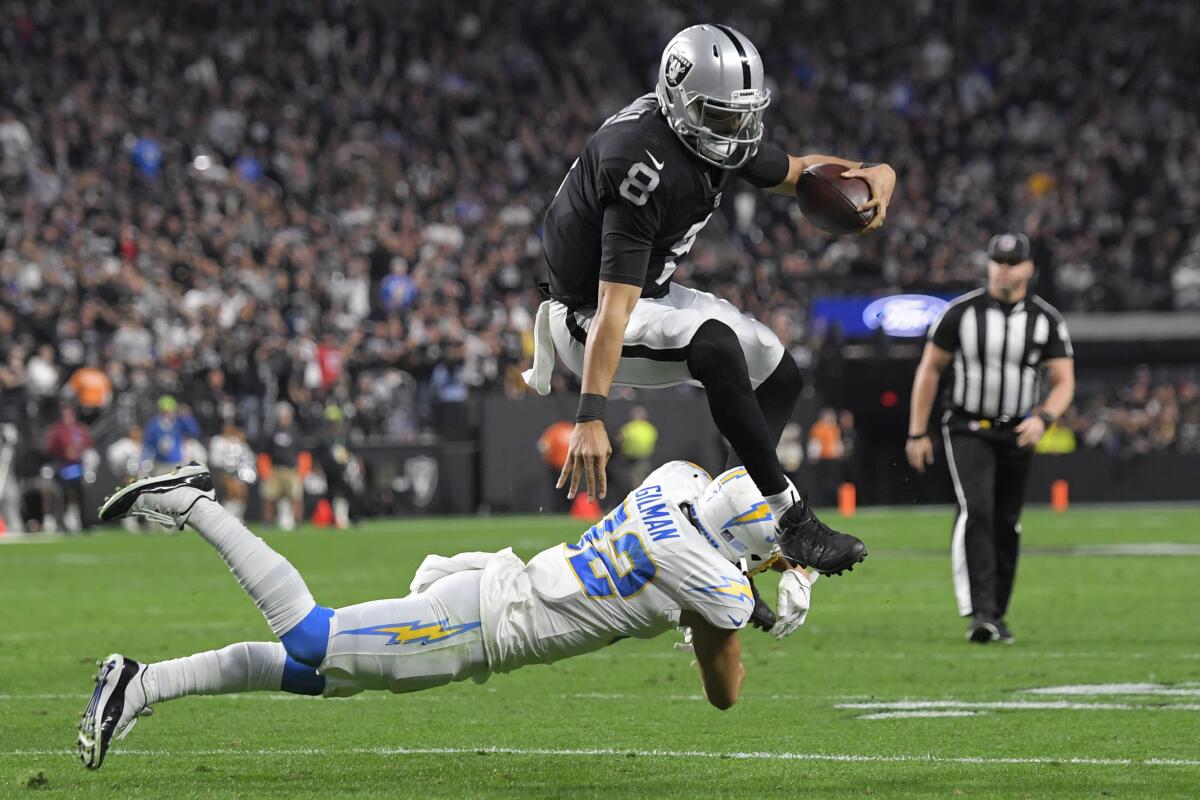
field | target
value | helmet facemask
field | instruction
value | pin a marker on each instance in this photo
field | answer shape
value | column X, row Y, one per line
column 725, row 133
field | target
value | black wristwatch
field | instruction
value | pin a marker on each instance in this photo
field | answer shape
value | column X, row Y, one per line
column 1046, row 417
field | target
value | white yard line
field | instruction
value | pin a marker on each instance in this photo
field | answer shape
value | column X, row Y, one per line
column 1014, row 705
column 1094, row 689
column 920, row 714
column 852, row 758
column 981, row 653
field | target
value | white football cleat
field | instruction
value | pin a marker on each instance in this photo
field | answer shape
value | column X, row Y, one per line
column 165, row 499
column 117, row 702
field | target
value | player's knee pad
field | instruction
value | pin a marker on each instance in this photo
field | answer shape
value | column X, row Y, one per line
column 301, row 679
column 309, row 640
column 715, row 353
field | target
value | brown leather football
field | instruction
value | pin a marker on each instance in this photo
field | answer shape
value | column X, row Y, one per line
column 830, row 202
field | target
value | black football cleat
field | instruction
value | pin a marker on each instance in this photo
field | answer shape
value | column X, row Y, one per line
column 117, row 701
column 166, row 499
column 805, row 540
column 1003, row 633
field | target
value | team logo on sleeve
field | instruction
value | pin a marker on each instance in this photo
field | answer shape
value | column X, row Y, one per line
column 677, row 69
column 737, row 588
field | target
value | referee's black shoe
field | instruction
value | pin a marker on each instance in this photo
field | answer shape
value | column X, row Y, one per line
column 805, row 540
column 982, row 630
column 1005, row 635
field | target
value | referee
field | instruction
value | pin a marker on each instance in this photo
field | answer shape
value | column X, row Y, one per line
column 1000, row 340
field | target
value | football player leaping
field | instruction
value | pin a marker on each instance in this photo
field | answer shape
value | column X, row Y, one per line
column 677, row 552
column 629, row 208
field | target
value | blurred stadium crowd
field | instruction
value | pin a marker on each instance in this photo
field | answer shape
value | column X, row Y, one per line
column 337, row 203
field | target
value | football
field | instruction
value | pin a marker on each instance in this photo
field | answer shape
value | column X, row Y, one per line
column 831, row 202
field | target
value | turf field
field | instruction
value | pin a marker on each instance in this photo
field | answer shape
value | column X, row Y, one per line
column 877, row 695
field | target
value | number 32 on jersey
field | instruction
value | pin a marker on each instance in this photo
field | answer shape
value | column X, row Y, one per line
column 609, row 562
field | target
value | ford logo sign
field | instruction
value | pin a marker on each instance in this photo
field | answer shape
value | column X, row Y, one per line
column 903, row 314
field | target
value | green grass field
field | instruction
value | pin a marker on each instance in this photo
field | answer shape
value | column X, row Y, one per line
column 629, row 721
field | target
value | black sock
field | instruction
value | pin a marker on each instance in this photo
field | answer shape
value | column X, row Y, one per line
column 715, row 358
column 777, row 397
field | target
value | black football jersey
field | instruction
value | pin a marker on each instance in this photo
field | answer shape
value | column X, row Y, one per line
column 632, row 205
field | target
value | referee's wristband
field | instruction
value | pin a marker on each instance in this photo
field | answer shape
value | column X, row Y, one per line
column 912, row 437
column 591, row 407
column 1046, row 417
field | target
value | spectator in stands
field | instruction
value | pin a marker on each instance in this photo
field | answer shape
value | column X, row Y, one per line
column 636, row 440
column 42, row 375
column 791, row 449
column 166, row 434
column 232, row 464
column 343, row 472
column 92, row 389
column 825, row 451
column 124, row 458
column 282, row 487
column 68, row 443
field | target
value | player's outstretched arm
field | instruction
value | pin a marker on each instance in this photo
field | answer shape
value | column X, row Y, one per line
column 719, row 655
column 589, row 448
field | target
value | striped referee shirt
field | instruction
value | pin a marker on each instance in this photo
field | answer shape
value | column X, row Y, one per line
column 999, row 351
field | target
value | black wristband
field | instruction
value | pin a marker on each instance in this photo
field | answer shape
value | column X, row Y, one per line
column 913, row 437
column 868, row 164
column 591, row 407
column 1046, row 417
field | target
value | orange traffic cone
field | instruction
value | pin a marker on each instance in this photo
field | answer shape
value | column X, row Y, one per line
column 847, row 499
column 1060, row 495
column 586, row 507
column 323, row 514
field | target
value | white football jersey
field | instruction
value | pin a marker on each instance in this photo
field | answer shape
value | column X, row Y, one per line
column 629, row 575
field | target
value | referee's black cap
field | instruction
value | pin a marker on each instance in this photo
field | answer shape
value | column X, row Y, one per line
column 1008, row 248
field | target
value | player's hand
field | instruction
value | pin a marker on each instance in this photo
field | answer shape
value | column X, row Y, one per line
column 882, row 180
column 762, row 617
column 795, row 596
column 920, row 453
column 1030, row 431
column 587, row 458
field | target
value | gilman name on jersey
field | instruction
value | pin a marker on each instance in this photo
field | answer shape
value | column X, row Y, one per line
column 653, row 510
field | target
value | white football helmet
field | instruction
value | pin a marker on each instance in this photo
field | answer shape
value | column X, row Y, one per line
column 711, row 90
column 735, row 519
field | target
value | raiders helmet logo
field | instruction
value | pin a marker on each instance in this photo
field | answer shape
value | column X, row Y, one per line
column 677, row 69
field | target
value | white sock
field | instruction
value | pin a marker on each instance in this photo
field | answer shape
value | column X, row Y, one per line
column 780, row 503
column 269, row 578
column 341, row 512
column 241, row 667
column 283, row 512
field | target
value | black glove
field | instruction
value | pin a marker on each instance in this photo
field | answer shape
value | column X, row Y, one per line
column 762, row 617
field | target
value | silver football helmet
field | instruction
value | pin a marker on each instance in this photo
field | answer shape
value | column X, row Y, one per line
column 710, row 88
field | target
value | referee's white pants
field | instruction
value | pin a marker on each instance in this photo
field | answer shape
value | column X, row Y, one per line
column 656, row 339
